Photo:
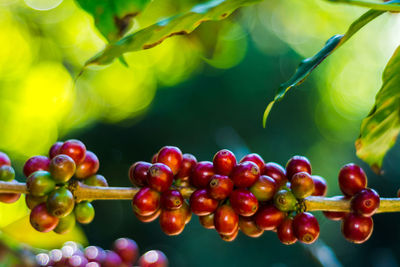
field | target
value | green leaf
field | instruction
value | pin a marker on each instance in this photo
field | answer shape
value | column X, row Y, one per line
column 379, row 130
column 388, row 6
column 179, row 24
column 309, row 64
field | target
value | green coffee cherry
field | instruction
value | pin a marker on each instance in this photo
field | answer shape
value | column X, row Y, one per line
column 32, row 201
column 7, row 173
column 60, row 202
column 84, row 212
column 62, row 168
column 284, row 200
column 65, row 224
column 40, row 183
column 96, row 180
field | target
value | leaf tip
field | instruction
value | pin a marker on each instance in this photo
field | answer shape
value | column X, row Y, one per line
column 266, row 113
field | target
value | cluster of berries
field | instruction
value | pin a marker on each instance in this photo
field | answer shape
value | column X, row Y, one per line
column 124, row 253
column 7, row 174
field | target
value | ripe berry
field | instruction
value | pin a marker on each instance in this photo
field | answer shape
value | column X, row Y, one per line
column 96, row 180
column 230, row 237
column 207, row 221
column 32, row 201
column 320, row 186
column 9, row 198
column 306, row 227
column 297, row 164
column 264, row 188
column 84, row 212
column 138, row 173
column 255, row 158
column 112, row 259
column 62, row 168
column 201, row 203
column 159, row 177
column 245, row 174
column 172, row 222
column 188, row 163
column 226, row 221
column 268, row 217
column 249, row 227
column 172, row 157
column 4, row 159
column 352, row 179
column 42, row 220
column 36, row 163
column 202, row 174
column 65, row 224
column 243, row 202
column 220, row 187
column 302, row 185
column 224, row 161
column 127, row 249
column 276, row 172
column 88, row 167
column 95, row 254
column 55, row 149
column 40, row 183
column 171, row 199
column 7, row 173
column 365, row 202
column 186, row 209
column 146, row 201
column 153, row 258
column 149, row 218
column 335, row 215
column 154, row 158
column 285, row 232
column 284, row 200
column 356, row 228
column 60, row 202
column 75, row 149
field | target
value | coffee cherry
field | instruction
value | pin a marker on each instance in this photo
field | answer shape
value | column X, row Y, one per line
column 57, row 258
column 153, row 258
column 154, row 158
column 255, row 158
column 297, row 164
column 302, row 185
column 4, row 159
column 55, row 149
column 201, row 203
column 285, row 232
column 220, row 187
column 146, row 201
column 36, row 163
column 138, row 173
column 7, row 173
column 335, row 215
column 172, row 222
column 268, row 217
column 112, row 259
column 65, row 224
column 96, row 180
column 88, row 167
column 172, row 157
column 285, row 201
column 365, row 202
column 243, row 202
column 320, row 186
column 186, row 209
column 276, row 172
column 77, row 261
column 32, row 201
column 42, row 220
column 60, row 202
column 40, row 183
column 188, row 163
column 75, row 149
column 226, row 221
column 202, row 174
column 357, row 228
column 306, row 227
column 224, row 161
column 9, row 198
column 245, row 174
column 231, row 237
column 249, row 227
column 171, row 199
column 352, row 179
column 149, row 218
column 84, row 212
column 159, row 177
column 95, row 254
column 127, row 249
column 207, row 221
column 62, row 168
column 264, row 188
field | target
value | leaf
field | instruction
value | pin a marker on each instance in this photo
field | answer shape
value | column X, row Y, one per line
column 179, row 24
column 388, row 6
column 309, row 64
column 379, row 130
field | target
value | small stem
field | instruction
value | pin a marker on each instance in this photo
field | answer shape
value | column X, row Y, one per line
column 13, row 187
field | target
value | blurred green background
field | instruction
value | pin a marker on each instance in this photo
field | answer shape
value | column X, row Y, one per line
column 201, row 92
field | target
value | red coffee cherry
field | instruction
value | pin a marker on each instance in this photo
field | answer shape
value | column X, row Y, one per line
column 88, row 167
column 173, row 222
column 249, row 227
column 269, row 217
column 302, row 185
column 186, row 209
column 224, row 161
column 320, row 186
column 357, row 228
column 41, row 219
column 153, row 258
column 220, row 187
column 172, row 157
column 306, row 227
column 75, row 149
column 207, row 221
column 154, row 158
column 160, row 177
column 201, row 203
column 146, row 202
column 264, row 188
column 365, row 202
column 335, row 215
column 55, row 149
column 231, row 237
column 276, row 172
column 255, row 158
column 202, row 174
column 62, row 168
column 285, row 232
column 243, row 202
column 138, row 173
column 9, row 198
column 226, row 221
column 112, row 259
column 352, row 179
column 245, row 174
column 188, row 164
column 127, row 249
column 36, row 163
column 5, row 160
column 297, row 164
column 149, row 218
column 171, row 199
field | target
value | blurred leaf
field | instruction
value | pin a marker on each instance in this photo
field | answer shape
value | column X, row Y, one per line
column 180, row 24
column 10, row 213
column 379, row 130
column 388, row 6
column 309, row 64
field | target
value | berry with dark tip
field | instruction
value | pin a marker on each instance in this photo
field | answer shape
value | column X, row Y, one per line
column 249, row 227
column 357, row 228
column 40, row 183
column 207, row 221
column 245, row 174
column 352, row 179
column 88, row 167
column 276, row 172
column 226, row 221
column 4, row 159
column 146, row 201
column 297, row 164
column 60, row 202
column 285, row 201
column 320, row 186
column 365, row 202
column 160, row 177
column 201, row 203
column 172, row 157
column 224, row 161
column 243, row 202
column 285, row 232
column 84, row 212
column 55, row 149
column 220, row 187
column 36, row 163
column 127, row 249
column 302, row 185
column 74, row 149
column 264, row 188
column 171, row 199
column 255, row 158
column 306, row 227
column 65, row 224
column 269, row 217
column 153, row 258
column 188, row 163
column 7, row 173
column 42, row 220
column 138, row 173
column 62, row 168
column 202, row 174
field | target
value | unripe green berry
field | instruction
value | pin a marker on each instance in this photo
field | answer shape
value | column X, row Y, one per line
column 7, row 173
column 84, row 212
column 65, row 224
column 40, row 183
column 32, row 201
column 62, row 168
column 284, row 200
column 96, row 180
column 60, row 202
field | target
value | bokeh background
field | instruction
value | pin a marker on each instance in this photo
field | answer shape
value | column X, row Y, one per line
column 201, row 92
